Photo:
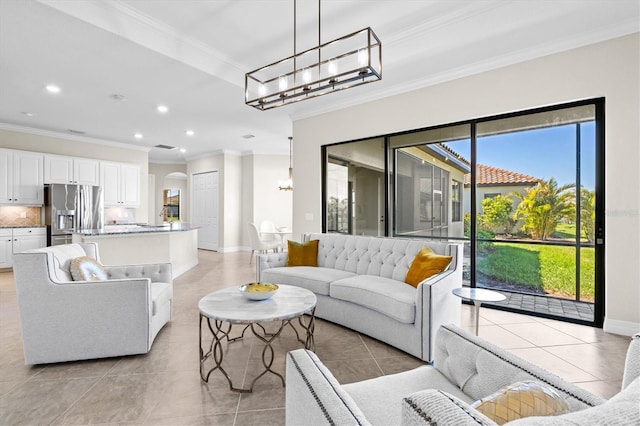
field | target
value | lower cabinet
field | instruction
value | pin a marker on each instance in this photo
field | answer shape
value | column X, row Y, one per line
column 6, row 248
column 16, row 240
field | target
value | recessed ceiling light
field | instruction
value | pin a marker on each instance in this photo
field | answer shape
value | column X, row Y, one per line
column 138, row 135
column 28, row 114
column 189, row 132
column 248, row 136
column 182, row 150
column 52, row 88
column 118, row 97
column 163, row 109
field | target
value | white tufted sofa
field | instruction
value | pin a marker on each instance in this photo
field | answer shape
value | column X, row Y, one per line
column 466, row 368
column 359, row 283
column 66, row 320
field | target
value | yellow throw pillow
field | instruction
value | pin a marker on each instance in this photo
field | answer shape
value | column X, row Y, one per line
column 303, row 254
column 86, row 268
column 426, row 264
column 521, row 399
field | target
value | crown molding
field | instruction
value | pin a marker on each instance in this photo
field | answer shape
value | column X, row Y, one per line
column 71, row 137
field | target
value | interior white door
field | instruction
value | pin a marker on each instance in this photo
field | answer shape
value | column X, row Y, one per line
column 205, row 209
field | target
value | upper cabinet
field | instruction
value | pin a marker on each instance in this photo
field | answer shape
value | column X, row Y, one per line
column 80, row 171
column 120, row 183
column 21, row 177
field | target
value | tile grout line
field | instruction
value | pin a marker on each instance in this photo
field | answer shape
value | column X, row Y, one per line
column 73, row 404
column 371, row 354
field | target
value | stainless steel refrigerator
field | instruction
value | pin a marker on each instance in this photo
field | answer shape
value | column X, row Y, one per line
column 71, row 208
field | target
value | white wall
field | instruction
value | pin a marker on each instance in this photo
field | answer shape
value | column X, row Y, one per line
column 52, row 143
column 609, row 69
column 269, row 202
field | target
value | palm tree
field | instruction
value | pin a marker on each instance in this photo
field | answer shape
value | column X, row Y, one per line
column 588, row 213
column 543, row 206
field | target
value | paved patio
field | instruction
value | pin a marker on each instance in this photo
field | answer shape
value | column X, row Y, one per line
column 545, row 305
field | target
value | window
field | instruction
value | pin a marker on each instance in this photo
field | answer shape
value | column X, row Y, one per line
column 519, row 191
column 456, row 201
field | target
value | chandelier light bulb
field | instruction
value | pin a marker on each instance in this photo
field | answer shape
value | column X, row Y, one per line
column 306, row 76
column 363, row 57
column 333, row 68
column 262, row 90
column 282, row 83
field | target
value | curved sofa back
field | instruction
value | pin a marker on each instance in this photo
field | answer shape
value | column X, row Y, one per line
column 480, row 368
column 384, row 257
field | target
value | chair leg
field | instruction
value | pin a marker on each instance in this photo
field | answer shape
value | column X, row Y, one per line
column 251, row 257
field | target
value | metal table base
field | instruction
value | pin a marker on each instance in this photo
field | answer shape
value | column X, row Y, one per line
column 220, row 332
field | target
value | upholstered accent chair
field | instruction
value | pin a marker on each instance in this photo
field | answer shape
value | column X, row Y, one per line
column 65, row 319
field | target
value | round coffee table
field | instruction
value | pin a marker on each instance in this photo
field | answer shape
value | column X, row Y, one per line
column 228, row 306
column 478, row 295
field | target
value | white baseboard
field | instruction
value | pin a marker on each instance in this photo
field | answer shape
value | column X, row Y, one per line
column 624, row 328
column 230, row 249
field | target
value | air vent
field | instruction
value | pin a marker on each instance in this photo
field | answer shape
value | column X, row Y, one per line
column 165, row 147
column 248, row 136
column 76, row 132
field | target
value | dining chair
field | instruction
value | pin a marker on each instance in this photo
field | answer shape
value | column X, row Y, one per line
column 259, row 244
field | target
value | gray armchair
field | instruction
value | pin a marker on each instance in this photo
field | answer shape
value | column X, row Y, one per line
column 66, row 320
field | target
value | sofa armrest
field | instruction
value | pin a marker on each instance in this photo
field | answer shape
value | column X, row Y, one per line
column 269, row 260
column 156, row 272
column 314, row 396
column 632, row 362
column 436, row 305
column 435, row 407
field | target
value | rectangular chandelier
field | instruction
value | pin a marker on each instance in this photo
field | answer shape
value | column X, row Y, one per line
column 345, row 62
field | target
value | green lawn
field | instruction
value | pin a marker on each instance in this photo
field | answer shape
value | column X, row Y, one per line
column 550, row 268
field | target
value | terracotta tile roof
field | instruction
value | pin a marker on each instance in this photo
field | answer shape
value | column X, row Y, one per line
column 488, row 175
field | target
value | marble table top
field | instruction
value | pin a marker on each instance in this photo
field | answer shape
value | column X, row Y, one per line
column 478, row 294
column 231, row 306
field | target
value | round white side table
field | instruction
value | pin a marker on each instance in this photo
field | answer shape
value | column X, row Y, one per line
column 478, row 295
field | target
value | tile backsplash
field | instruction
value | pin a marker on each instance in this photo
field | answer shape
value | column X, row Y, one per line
column 20, row 216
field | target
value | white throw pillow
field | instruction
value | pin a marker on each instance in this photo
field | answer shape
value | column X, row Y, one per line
column 86, row 268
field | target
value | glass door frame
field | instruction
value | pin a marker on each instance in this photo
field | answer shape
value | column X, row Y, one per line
column 599, row 245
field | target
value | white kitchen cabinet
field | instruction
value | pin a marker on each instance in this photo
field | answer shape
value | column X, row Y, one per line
column 65, row 170
column 120, row 183
column 61, row 169
column 21, row 177
column 16, row 240
column 28, row 239
column 6, row 250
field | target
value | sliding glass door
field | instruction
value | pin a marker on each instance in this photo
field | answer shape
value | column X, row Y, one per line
column 522, row 192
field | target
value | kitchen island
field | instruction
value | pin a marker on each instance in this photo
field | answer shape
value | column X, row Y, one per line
column 136, row 244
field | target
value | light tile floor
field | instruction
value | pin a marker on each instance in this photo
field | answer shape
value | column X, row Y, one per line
column 163, row 387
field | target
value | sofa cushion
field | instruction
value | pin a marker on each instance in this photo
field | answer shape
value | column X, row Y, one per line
column 315, row 279
column 302, row 254
column 522, row 399
column 393, row 388
column 622, row 409
column 86, row 268
column 392, row 298
column 426, row 264
column 161, row 294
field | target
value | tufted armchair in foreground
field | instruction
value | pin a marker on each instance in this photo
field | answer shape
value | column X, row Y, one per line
column 466, row 369
column 67, row 320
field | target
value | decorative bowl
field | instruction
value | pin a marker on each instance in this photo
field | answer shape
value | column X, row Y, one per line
column 258, row 291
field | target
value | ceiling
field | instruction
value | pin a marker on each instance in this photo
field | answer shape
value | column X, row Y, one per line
column 191, row 55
